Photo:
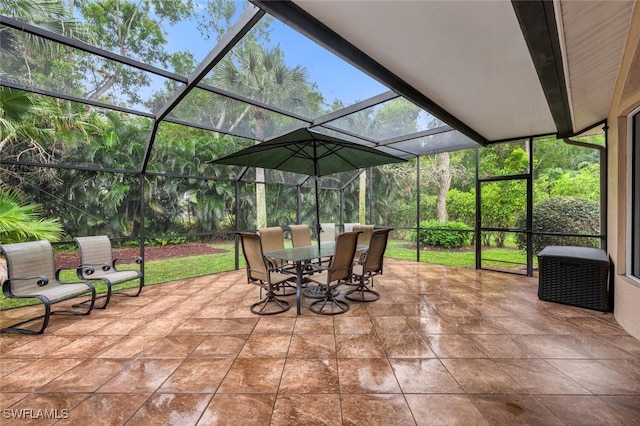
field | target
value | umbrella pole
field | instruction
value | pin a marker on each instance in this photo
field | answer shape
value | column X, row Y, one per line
column 318, row 227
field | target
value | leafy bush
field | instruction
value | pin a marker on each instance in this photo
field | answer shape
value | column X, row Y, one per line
column 567, row 215
column 446, row 235
column 461, row 206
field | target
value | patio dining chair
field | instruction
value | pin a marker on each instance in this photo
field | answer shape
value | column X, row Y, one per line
column 369, row 266
column 337, row 273
column 364, row 238
column 328, row 233
column 272, row 238
column 97, row 263
column 300, row 235
column 265, row 273
column 31, row 273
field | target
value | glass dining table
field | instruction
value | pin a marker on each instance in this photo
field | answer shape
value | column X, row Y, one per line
column 299, row 256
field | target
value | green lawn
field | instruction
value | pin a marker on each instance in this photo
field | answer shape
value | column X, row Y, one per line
column 160, row 271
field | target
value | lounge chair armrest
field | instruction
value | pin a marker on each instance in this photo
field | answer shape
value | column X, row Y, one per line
column 137, row 260
column 42, row 280
column 88, row 269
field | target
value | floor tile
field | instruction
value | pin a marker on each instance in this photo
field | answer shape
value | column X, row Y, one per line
column 175, row 346
column 220, row 346
column 312, row 346
column 307, row 409
column 35, row 375
column 353, row 325
column 141, row 376
column 359, row 346
column 310, row 376
column 424, row 376
column 454, row 346
column 239, row 409
column 114, row 409
column 376, row 410
column 537, row 376
column 253, row 375
column 197, row 376
column 432, row 325
column 87, row 376
column 444, row 410
column 171, row 409
column 266, row 346
column 597, row 377
column 58, row 406
column 405, row 346
column 481, row 376
column 367, row 375
column 514, row 409
column 628, row 406
column 584, row 410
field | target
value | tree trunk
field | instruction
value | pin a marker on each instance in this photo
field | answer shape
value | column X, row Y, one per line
column 444, row 167
column 362, row 201
column 261, row 193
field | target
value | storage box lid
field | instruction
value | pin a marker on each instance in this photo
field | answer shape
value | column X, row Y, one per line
column 587, row 253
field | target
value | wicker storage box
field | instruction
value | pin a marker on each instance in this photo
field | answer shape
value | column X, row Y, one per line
column 576, row 276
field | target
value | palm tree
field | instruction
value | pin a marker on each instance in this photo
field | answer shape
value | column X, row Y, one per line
column 260, row 73
column 22, row 222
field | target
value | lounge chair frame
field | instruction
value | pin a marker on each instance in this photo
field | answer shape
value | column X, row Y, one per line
column 32, row 275
column 97, row 263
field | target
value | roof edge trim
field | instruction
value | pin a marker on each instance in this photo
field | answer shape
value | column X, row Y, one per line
column 538, row 24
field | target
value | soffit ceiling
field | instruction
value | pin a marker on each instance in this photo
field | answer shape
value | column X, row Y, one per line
column 475, row 59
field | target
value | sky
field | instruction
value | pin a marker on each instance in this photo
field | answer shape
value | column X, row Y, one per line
column 336, row 79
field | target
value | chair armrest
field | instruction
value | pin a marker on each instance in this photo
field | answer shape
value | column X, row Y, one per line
column 137, row 260
column 89, row 268
column 42, row 280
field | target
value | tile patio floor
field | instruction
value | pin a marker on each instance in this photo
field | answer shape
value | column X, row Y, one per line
column 442, row 346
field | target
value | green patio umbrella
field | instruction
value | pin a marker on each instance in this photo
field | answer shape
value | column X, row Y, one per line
column 309, row 153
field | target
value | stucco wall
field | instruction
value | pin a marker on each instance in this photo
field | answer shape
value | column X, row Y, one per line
column 626, row 99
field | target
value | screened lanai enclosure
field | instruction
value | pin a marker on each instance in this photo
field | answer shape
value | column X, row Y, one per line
column 112, row 111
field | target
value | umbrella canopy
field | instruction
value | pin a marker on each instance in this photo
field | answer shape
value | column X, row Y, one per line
column 309, row 153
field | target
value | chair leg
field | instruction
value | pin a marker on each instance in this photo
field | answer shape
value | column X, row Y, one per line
column 362, row 292
column 107, row 296
column 336, row 306
column 45, row 317
column 260, row 308
column 288, row 289
column 136, row 294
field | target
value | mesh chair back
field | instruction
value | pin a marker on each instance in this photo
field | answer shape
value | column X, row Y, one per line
column 365, row 233
column 96, row 251
column 252, row 250
column 272, row 239
column 342, row 263
column 328, row 234
column 31, row 259
column 348, row 227
column 375, row 255
column 300, row 235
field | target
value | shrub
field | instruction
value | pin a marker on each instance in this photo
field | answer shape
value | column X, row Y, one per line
column 446, row 235
column 461, row 206
column 567, row 215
